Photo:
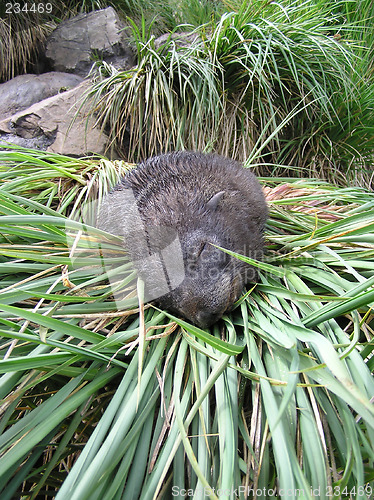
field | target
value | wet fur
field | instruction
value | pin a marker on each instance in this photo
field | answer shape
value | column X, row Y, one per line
column 203, row 200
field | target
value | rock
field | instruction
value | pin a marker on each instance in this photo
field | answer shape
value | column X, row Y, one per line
column 75, row 44
column 24, row 90
column 41, row 142
column 182, row 39
column 50, row 125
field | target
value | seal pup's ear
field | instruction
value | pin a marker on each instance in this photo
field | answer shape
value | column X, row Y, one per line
column 212, row 204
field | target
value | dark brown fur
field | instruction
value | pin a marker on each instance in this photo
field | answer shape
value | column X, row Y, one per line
column 171, row 210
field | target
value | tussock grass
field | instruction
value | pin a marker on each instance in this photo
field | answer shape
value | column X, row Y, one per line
column 24, row 28
column 160, row 104
column 21, row 38
column 291, row 80
column 276, row 395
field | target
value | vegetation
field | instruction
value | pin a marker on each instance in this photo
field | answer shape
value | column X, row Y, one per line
column 277, row 395
column 20, row 41
column 23, row 32
column 290, row 81
column 103, row 397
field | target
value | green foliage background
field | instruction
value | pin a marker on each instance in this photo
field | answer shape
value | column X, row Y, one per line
column 281, row 85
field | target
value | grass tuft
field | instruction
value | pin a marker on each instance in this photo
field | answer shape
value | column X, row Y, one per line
column 276, row 395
